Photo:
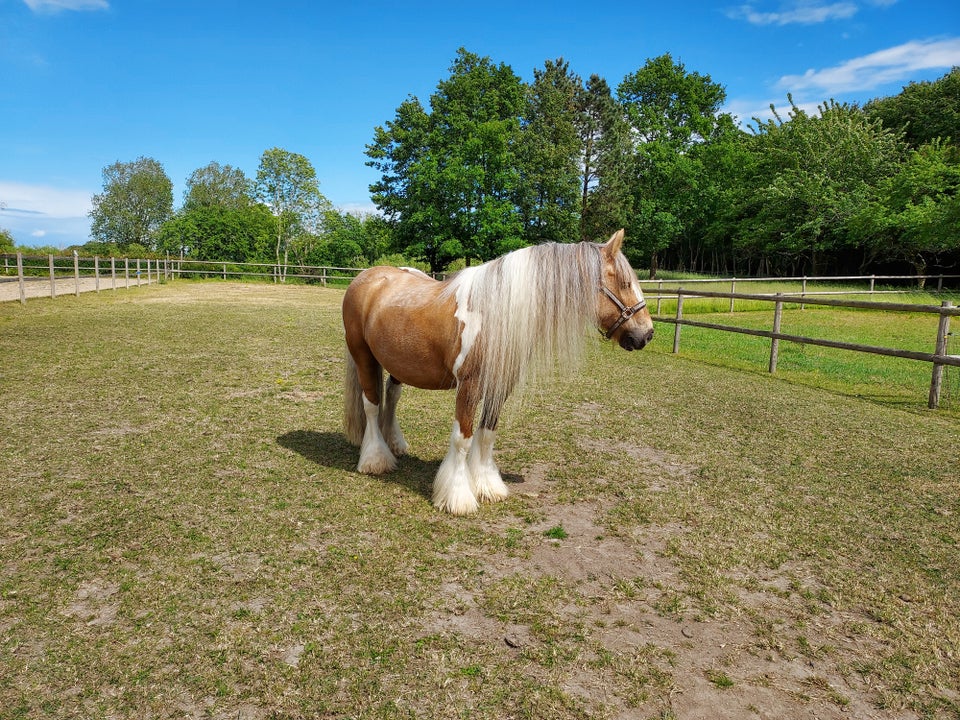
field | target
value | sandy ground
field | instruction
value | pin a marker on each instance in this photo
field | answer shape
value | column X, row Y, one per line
column 40, row 287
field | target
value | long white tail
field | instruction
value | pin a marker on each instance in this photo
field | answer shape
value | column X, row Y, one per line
column 354, row 417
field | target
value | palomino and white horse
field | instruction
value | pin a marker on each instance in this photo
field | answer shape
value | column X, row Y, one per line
column 483, row 332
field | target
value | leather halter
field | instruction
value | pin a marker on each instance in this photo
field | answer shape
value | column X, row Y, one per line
column 625, row 312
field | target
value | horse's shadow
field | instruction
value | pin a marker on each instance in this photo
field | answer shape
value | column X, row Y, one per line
column 331, row 450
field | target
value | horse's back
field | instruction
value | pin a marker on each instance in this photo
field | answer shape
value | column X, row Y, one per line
column 406, row 321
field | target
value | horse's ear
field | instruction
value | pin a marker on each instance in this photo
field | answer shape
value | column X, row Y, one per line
column 613, row 245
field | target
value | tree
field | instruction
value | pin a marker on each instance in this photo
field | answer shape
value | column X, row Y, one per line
column 670, row 111
column 923, row 111
column 7, row 244
column 915, row 214
column 814, row 174
column 549, row 155
column 287, row 183
column 137, row 199
column 217, row 232
column 216, row 185
column 606, row 162
column 450, row 177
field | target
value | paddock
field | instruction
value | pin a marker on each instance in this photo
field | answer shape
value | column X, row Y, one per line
column 184, row 533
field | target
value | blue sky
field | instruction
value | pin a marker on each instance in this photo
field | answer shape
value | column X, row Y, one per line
column 85, row 83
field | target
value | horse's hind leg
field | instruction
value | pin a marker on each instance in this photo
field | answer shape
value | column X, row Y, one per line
column 388, row 418
column 375, row 456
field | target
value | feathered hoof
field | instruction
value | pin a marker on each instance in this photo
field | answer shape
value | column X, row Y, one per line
column 399, row 447
column 489, row 487
column 377, row 463
column 460, row 503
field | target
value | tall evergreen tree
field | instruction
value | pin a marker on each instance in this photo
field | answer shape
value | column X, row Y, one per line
column 606, row 162
column 549, row 155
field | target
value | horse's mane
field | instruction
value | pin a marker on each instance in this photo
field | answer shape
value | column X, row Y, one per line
column 534, row 307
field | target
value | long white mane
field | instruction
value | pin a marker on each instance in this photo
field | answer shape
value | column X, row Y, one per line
column 528, row 312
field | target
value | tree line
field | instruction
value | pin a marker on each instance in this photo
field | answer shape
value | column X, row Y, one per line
column 491, row 163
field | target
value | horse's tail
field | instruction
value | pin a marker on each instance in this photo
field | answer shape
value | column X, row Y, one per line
column 354, row 417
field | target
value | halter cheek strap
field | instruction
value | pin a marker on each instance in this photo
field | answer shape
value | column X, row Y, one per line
column 625, row 312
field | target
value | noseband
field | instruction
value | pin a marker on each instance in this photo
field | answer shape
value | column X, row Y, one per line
column 625, row 312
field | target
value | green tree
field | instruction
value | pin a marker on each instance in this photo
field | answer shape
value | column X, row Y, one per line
column 550, row 156
column 814, row 174
column 606, row 162
column 137, row 199
column 670, row 111
column 217, row 232
column 7, row 244
column 922, row 111
column 914, row 216
column 450, row 177
column 216, row 185
column 287, row 183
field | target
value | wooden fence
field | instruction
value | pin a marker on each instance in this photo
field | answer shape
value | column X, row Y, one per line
column 938, row 357
column 111, row 273
column 55, row 275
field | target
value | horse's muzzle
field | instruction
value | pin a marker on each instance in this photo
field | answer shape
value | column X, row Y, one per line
column 635, row 340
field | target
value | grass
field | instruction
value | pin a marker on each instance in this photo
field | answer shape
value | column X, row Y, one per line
column 183, row 533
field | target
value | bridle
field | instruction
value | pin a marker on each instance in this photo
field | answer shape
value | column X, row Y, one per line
column 625, row 312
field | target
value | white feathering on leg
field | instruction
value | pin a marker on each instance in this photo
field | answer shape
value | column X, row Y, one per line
column 451, row 487
column 484, row 476
column 388, row 420
column 375, row 456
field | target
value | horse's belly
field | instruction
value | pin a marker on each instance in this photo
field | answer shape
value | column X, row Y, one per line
column 416, row 361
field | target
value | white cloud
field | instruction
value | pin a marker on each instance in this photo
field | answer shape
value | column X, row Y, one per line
column 878, row 68
column 796, row 13
column 40, row 213
column 58, row 5
column 25, row 199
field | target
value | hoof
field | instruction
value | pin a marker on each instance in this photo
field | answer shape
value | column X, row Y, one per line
column 377, row 465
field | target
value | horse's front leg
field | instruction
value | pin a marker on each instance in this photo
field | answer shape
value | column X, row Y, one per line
column 388, row 418
column 485, row 477
column 452, row 487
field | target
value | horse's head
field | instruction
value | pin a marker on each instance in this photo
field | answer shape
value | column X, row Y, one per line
column 621, row 310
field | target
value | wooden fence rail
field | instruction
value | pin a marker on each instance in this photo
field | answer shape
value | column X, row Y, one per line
column 938, row 357
column 54, row 273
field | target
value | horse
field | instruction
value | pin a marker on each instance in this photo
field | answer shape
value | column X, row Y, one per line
column 483, row 332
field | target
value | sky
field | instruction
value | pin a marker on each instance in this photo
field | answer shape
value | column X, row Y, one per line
column 87, row 83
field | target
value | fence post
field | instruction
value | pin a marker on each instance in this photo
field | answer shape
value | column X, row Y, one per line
column 733, row 289
column 53, row 281
column 873, row 280
column 126, row 273
column 76, row 273
column 775, row 341
column 676, row 328
column 96, row 271
column 803, row 291
column 659, row 294
column 113, row 272
column 138, row 272
column 23, row 290
column 936, row 381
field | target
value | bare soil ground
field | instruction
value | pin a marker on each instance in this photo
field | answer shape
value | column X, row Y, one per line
column 40, row 288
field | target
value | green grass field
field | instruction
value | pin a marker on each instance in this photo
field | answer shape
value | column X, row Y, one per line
column 183, row 533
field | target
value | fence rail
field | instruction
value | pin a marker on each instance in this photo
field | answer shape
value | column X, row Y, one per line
column 99, row 273
column 938, row 357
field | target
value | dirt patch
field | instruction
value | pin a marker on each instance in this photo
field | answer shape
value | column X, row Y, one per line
column 641, row 652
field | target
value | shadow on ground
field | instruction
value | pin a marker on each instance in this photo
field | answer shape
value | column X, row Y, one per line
column 331, row 450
